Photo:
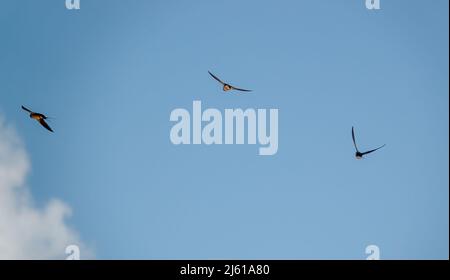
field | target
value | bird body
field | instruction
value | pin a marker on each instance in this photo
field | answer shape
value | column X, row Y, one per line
column 37, row 116
column 227, row 87
column 358, row 155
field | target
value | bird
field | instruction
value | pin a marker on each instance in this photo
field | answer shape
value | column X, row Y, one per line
column 38, row 117
column 358, row 154
column 227, row 87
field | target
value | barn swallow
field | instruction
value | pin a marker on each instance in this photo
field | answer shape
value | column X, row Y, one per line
column 358, row 154
column 39, row 117
column 227, row 87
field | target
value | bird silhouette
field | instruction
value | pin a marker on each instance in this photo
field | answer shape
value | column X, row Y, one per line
column 358, row 154
column 227, row 87
column 38, row 117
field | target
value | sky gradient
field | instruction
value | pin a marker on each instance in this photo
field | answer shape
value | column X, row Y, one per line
column 111, row 73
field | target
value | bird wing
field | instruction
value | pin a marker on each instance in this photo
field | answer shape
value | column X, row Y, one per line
column 44, row 124
column 368, row 152
column 28, row 110
column 240, row 89
column 353, row 137
column 217, row 79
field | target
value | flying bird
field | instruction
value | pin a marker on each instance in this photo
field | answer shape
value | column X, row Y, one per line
column 358, row 154
column 39, row 117
column 227, row 87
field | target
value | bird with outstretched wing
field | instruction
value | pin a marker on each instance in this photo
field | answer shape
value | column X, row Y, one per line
column 359, row 154
column 38, row 117
column 227, row 87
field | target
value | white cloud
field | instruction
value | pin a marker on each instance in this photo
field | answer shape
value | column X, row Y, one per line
column 27, row 232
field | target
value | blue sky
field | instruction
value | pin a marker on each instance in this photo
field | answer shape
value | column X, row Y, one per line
column 111, row 73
